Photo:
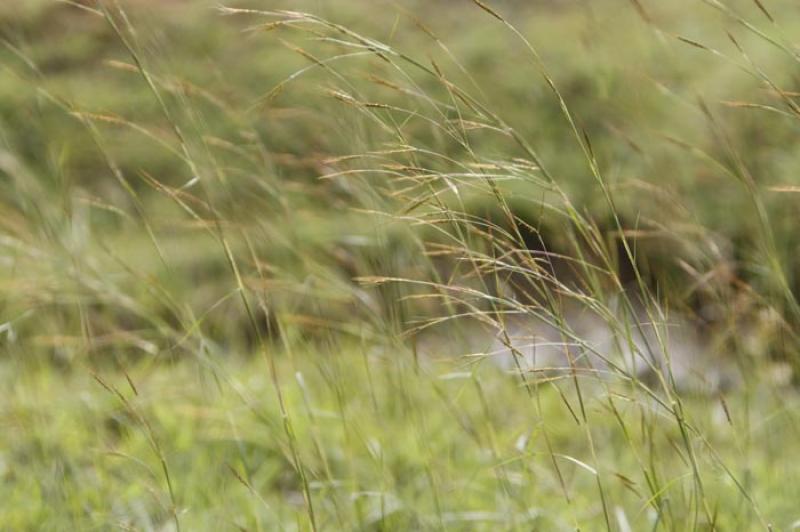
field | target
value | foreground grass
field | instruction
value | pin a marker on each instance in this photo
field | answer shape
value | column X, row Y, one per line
column 381, row 445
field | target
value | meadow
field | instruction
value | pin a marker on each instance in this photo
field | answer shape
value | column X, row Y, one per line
column 289, row 265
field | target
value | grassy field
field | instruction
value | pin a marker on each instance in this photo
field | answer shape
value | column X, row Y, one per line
column 244, row 249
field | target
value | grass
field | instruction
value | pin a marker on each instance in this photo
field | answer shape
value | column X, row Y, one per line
column 376, row 452
column 383, row 446
column 238, row 242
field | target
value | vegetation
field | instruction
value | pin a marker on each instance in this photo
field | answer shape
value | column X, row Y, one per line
column 260, row 263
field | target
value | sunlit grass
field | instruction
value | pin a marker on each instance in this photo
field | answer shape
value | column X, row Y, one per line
column 392, row 445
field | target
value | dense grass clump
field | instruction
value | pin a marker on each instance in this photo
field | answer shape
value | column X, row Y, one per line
column 427, row 265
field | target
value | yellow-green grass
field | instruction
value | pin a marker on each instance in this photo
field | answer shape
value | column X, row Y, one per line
column 221, row 230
